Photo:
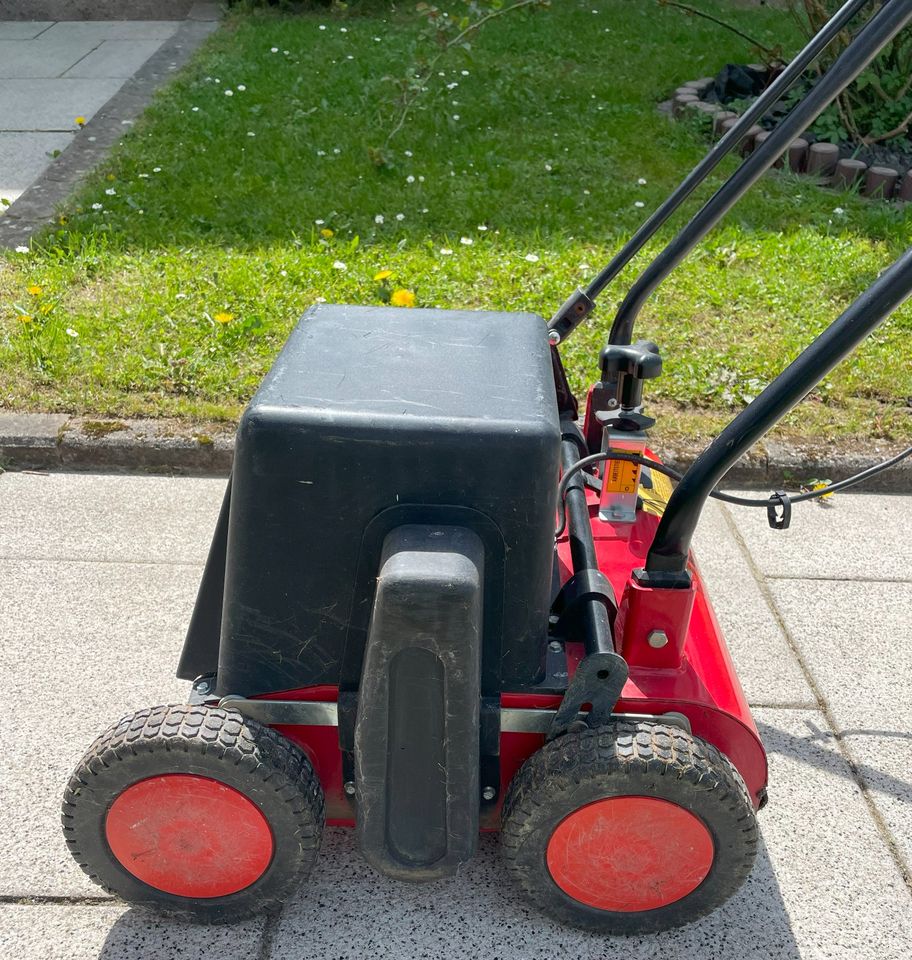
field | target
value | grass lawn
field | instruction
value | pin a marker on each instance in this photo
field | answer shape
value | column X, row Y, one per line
column 175, row 276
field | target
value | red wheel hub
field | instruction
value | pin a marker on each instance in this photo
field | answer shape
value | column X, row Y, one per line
column 188, row 835
column 627, row 854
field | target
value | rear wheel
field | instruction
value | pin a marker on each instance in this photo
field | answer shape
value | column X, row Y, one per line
column 630, row 828
column 194, row 810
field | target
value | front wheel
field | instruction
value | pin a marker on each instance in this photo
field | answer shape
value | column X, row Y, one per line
column 195, row 811
column 628, row 828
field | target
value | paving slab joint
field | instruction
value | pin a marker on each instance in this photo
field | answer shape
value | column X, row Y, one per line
column 36, row 207
column 904, row 869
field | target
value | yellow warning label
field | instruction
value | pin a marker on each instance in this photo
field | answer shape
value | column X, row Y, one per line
column 655, row 499
column 622, row 476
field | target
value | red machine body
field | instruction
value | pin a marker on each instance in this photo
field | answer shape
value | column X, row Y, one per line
column 699, row 682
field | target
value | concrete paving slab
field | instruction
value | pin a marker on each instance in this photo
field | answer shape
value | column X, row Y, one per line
column 99, row 30
column 83, row 645
column 767, row 666
column 92, row 517
column 23, row 29
column 855, row 639
column 52, row 104
column 114, row 58
column 858, row 535
column 804, row 899
column 22, row 158
column 45, row 57
column 113, row 932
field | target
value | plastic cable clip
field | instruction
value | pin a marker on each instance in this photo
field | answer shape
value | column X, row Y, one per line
column 779, row 510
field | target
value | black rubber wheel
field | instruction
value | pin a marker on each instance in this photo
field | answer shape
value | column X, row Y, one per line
column 248, row 786
column 573, row 811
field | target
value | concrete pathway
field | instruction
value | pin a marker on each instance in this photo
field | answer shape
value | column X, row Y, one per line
column 52, row 73
column 98, row 578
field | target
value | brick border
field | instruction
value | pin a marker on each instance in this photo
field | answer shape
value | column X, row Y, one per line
column 823, row 161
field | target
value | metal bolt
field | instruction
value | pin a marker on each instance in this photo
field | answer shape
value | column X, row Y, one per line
column 203, row 686
column 554, row 338
column 349, row 787
column 611, row 404
column 554, row 646
column 489, row 793
column 657, row 639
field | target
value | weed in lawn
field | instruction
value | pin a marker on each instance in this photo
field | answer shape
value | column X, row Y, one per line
column 523, row 167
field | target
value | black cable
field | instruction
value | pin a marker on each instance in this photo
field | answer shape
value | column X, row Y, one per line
column 715, row 494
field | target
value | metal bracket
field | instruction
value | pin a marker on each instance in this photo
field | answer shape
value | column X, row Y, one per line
column 526, row 720
column 588, row 584
column 203, row 690
column 292, row 712
column 512, row 719
column 598, row 681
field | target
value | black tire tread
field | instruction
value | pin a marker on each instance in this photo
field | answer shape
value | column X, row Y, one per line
column 225, row 735
column 628, row 756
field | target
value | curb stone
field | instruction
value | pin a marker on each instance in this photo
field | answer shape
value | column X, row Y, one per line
column 40, row 441
column 44, row 441
column 36, row 207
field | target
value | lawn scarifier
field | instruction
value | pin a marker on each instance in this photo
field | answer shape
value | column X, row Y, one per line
column 389, row 635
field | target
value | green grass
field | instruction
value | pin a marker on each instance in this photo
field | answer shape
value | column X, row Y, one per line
column 214, row 204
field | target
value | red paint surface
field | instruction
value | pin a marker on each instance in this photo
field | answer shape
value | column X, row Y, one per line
column 629, row 854
column 189, row 835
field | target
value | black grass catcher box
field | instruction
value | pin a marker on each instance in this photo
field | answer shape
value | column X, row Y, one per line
column 370, row 419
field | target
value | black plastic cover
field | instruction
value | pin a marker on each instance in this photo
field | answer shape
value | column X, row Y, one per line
column 417, row 732
column 371, row 418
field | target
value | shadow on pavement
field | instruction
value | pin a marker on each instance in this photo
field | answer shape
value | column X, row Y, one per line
column 347, row 910
column 807, row 750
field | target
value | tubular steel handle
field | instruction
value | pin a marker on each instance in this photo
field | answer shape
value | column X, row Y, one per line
column 581, row 303
column 877, row 33
column 666, row 562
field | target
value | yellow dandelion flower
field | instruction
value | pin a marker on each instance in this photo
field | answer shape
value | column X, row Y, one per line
column 223, row 317
column 327, row 233
column 80, row 121
column 35, row 290
column 383, row 275
column 822, row 485
column 110, row 177
column 402, row 298
column 25, row 318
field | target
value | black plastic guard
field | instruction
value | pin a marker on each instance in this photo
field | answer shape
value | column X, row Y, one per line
column 201, row 646
column 417, row 727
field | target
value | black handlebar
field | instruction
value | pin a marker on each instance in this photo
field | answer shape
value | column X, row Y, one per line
column 582, row 302
column 666, row 562
column 877, row 33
